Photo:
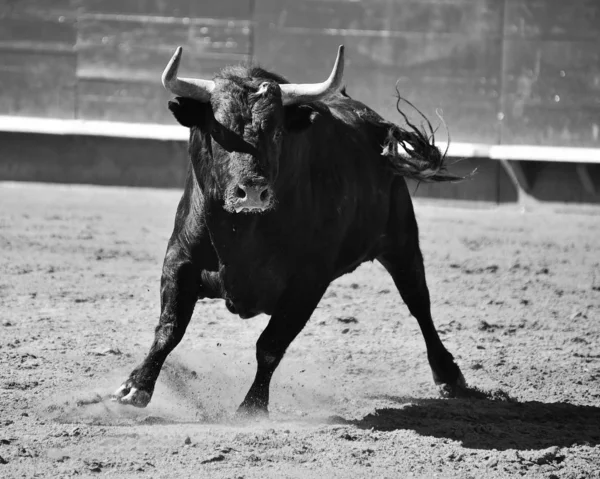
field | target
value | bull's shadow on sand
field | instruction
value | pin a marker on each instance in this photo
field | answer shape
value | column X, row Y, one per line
column 489, row 424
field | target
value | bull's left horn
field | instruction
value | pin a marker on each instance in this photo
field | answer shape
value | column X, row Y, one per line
column 186, row 87
column 310, row 92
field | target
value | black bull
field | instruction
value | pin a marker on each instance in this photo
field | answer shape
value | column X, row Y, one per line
column 324, row 181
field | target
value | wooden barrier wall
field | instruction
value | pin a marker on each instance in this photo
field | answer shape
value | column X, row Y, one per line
column 102, row 59
column 521, row 72
column 502, row 71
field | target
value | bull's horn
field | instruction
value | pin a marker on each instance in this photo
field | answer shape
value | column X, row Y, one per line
column 186, row 87
column 310, row 92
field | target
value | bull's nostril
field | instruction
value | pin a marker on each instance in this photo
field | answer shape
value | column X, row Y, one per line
column 264, row 196
column 240, row 193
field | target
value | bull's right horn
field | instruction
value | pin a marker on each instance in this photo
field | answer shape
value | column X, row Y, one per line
column 186, row 87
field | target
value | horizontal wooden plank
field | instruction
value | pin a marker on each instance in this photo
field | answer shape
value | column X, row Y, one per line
column 553, row 19
column 235, row 9
column 202, row 37
column 57, row 10
column 37, row 84
column 126, row 62
column 37, row 68
column 123, row 101
column 171, row 8
column 432, row 16
column 560, row 183
column 111, row 32
column 34, row 33
column 240, row 9
column 93, row 160
column 230, row 38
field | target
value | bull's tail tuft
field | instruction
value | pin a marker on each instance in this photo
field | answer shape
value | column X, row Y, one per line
column 413, row 153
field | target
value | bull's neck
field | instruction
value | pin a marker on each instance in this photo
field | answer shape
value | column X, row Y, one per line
column 295, row 163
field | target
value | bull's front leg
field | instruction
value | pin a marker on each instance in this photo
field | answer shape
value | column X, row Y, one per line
column 291, row 315
column 182, row 282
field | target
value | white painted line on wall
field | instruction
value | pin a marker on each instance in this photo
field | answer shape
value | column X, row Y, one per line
column 53, row 126
column 545, row 153
column 154, row 131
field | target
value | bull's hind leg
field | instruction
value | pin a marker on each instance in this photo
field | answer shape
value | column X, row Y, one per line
column 291, row 315
column 404, row 262
column 183, row 282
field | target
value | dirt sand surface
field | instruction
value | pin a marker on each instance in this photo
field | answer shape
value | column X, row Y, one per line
column 516, row 298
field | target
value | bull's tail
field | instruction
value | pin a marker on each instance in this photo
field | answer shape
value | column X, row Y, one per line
column 413, row 153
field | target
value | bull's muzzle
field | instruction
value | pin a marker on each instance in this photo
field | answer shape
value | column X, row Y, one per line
column 252, row 198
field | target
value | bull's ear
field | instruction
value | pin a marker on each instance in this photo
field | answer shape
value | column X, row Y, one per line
column 188, row 112
column 299, row 117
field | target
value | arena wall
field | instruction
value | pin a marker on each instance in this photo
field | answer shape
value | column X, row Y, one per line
column 496, row 72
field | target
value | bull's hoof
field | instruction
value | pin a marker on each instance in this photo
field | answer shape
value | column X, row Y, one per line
column 252, row 411
column 454, row 389
column 130, row 395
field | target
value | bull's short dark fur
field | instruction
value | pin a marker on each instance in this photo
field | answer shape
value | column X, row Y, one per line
column 339, row 198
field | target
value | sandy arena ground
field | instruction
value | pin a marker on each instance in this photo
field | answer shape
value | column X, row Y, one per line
column 516, row 298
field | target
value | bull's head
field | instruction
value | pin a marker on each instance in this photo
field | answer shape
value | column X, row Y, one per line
column 241, row 123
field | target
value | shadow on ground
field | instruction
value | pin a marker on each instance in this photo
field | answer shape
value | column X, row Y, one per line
column 489, row 423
